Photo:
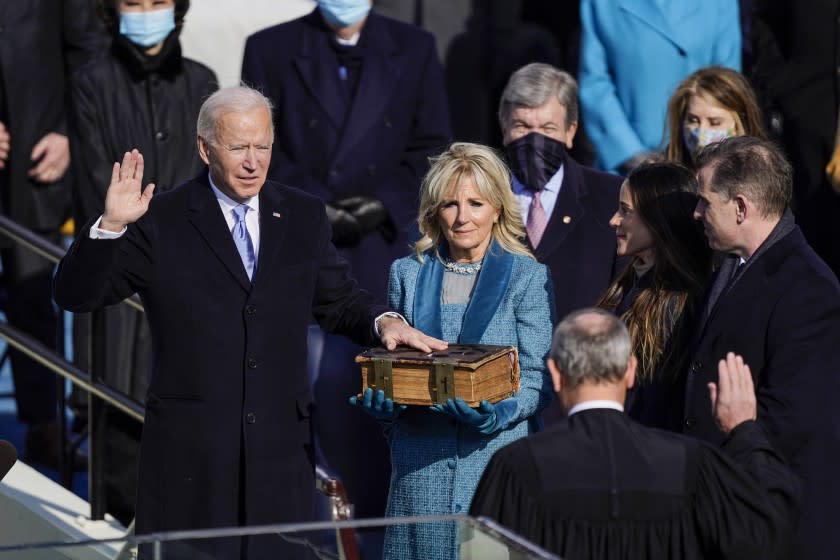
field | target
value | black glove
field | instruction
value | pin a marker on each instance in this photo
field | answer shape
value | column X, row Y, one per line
column 346, row 230
column 371, row 215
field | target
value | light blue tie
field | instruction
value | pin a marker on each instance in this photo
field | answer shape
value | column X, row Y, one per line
column 242, row 239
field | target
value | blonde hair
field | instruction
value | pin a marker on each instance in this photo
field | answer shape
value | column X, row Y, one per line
column 723, row 86
column 492, row 178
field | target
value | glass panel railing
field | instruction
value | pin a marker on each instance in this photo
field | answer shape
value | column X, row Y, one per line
column 456, row 537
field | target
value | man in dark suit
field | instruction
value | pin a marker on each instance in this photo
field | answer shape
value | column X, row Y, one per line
column 566, row 207
column 230, row 268
column 599, row 485
column 41, row 43
column 361, row 107
column 774, row 302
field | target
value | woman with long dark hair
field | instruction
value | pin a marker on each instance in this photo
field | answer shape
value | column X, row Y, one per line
column 659, row 293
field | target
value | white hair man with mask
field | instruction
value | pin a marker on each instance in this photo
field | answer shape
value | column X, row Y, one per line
column 566, row 207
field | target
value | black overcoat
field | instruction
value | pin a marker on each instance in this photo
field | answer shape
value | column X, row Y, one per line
column 783, row 316
column 226, row 439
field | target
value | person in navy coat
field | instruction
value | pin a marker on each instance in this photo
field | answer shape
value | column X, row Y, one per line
column 226, row 439
column 538, row 113
column 777, row 304
column 360, row 107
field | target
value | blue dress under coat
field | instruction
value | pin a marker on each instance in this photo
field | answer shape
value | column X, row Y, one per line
column 436, row 462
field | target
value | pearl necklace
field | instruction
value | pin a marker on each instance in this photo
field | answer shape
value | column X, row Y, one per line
column 462, row 268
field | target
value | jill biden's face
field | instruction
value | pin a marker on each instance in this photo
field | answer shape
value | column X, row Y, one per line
column 719, row 215
column 239, row 158
column 466, row 220
column 632, row 235
column 548, row 119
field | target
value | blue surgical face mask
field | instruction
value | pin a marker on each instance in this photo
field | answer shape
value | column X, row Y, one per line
column 147, row 29
column 698, row 137
column 343, row 13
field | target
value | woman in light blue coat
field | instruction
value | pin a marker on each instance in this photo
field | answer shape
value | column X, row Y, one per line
column 470, row 281
column 633, row 54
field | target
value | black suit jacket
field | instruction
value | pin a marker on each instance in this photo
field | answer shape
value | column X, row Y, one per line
column 42, row 42
column 226, row 439
column 599, row 485
column 783, row 317
column 578, row 245
column 397, row 119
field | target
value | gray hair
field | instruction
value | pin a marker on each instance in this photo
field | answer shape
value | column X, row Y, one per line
column 533, row 85
column 591, row 344
column 234, row 99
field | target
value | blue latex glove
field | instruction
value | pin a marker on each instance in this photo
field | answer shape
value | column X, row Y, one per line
column 487, row 418
column 378, row 406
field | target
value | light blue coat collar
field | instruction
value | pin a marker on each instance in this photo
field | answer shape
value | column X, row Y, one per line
column 487, row 295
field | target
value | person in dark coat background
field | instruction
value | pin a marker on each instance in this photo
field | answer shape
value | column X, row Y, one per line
column 600, row 486
column 796, row 48
column 776, row 303
column 360, row 108
column 41, row 44
column 538, row 114
column 142, row 94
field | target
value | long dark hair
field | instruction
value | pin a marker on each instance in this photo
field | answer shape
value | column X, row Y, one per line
column 660, row 317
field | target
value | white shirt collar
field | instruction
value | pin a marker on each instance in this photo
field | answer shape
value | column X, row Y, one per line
column 351, row 41
column 228, row 204
column 597, row 403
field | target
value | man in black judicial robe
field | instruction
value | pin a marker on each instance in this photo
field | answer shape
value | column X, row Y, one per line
column 599, row 485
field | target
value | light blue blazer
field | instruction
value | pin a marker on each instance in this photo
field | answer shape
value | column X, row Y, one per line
column 633, row 55
column 436, row 462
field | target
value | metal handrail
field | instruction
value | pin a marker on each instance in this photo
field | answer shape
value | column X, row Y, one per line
column 43, row 247
column 48, row 358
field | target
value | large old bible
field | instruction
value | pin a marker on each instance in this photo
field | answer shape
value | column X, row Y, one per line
column 474, row 372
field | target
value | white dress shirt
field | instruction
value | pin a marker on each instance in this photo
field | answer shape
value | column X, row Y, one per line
column 548, row 197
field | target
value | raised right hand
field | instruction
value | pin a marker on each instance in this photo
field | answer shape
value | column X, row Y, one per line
column 733, row 397
column 126, row 201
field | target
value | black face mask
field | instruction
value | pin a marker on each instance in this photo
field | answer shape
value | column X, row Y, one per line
column 535, row 158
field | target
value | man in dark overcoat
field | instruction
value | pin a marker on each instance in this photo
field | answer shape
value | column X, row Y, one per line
column 230, row 267
column 538, row 113
column 41, row 43
column 361, row 106
column 776, row 303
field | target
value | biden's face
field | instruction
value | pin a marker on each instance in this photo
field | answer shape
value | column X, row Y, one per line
column 240, row 155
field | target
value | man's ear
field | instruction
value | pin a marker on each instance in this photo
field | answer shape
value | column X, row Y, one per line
column 203, row 150
column 570, row 134
column 630, row 372
column 742, row 208
column 556, row 376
